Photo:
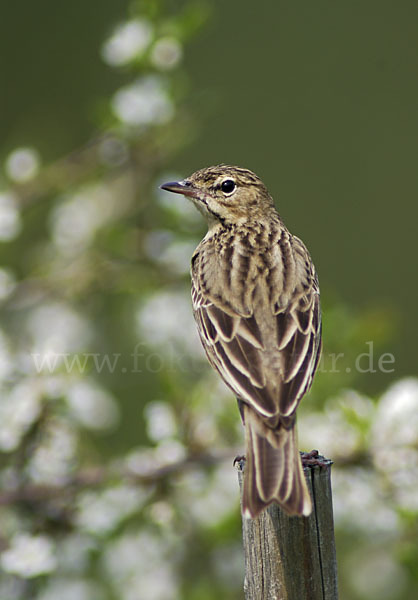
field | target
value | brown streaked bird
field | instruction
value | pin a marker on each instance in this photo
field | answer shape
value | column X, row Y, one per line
column 256, row 303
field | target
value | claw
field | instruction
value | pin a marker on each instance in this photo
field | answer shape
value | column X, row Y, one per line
column 313, row 459
column 239, row 462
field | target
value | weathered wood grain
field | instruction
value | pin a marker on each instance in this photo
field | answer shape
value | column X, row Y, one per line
column 293, row 558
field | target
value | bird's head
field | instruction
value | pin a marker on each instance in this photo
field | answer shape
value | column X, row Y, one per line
column 225, row 194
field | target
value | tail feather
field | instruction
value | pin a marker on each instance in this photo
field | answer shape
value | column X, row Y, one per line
column 273, row 471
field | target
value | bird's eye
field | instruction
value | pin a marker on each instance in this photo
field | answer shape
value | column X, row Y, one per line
column 228, row 186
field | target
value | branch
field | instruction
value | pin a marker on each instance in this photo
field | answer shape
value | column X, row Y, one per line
column 97, row 477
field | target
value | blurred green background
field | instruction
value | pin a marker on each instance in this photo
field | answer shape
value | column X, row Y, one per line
column 115, row 437
column 319, row 99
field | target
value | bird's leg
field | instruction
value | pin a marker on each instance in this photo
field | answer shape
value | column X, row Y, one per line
column 239, row 461
column 313, row 459
column 241, row 410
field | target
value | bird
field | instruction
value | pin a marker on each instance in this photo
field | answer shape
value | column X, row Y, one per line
column 256, row 303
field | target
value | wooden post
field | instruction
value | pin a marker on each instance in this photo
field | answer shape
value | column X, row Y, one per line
column 293, row 558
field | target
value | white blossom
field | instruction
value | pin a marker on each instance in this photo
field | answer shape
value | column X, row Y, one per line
column 55, row 329
column 91, row 405
column 162, row 513
column 161, row 421
column 145, row 461
column 6, row 357
column 331, row 431
column 396, row 422
column 394, row 441
column 144, row 102
column 142, row 566
column 101, row 512
column 177, row 255
column 76, row 219
column 360, row 502
column 70, row 589
column 29, row 556
column 22, row 164
column 73, row 552
column 53, row 459
column 170, row 451
column 19, row 408
column 165, row 320
column 10, row 223
column 128, row 41
column 209, row 498
column 166, row 53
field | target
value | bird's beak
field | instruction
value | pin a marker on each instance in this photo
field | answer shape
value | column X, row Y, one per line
column 181, row 187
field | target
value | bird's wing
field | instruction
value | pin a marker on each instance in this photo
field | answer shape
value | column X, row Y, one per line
column 299, row 342
column 268, row 365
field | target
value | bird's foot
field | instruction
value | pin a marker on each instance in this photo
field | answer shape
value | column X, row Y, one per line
column 239, row 462
column 313, row 459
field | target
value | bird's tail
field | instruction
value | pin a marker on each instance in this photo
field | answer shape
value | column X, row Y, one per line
column 273, row 470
